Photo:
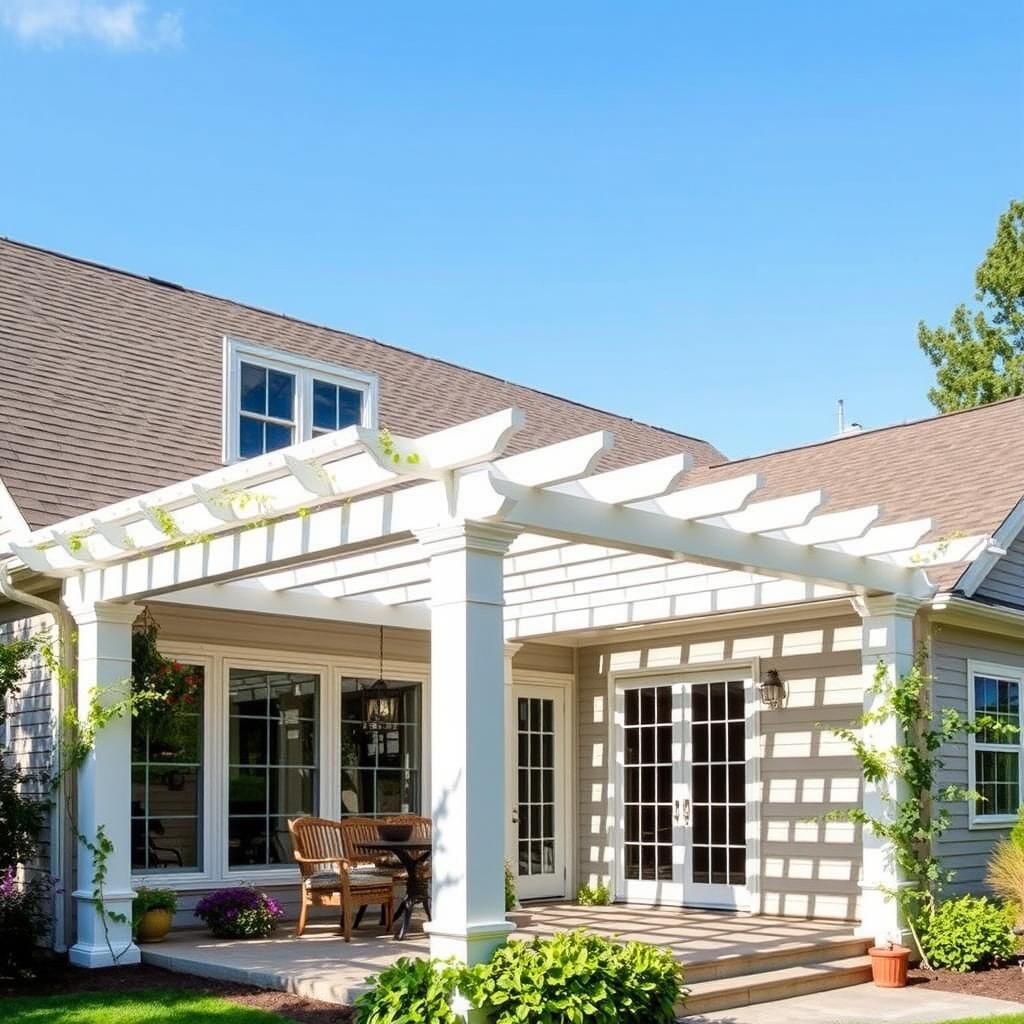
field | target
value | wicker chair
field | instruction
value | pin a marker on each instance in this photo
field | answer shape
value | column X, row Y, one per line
column 330, row 879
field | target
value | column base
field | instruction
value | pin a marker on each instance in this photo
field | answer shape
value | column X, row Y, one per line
column 472, row 944
column 100, row 956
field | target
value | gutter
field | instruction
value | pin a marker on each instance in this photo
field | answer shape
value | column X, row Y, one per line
column 59, row 835
column 954, row 610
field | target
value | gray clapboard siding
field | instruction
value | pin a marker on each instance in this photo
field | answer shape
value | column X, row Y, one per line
column 809, row 868
column 29, row 731
column 962, row 848
column 1004, row 583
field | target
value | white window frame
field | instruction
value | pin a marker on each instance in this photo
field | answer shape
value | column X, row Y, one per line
column 1011, row 674
column 305, row 371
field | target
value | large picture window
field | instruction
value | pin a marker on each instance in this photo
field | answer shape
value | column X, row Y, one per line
column 996, row 756
column 272, row 759
column 167, row 791
column 380, row 768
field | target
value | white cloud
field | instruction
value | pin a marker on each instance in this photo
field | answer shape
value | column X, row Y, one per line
column 118, row 24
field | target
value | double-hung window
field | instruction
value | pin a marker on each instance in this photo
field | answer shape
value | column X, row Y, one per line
column 274, row 399
column 995, row 754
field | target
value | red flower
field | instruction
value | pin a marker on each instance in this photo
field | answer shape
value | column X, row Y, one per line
column 178, row 667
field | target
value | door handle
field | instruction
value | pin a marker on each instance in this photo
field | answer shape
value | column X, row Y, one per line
column 515, row 814
column 686, row 812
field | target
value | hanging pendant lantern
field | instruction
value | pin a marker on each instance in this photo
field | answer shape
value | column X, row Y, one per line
column 380, row 705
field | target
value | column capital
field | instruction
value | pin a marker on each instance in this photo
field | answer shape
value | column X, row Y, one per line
column 467, row 535
column 887, row 604
column 103, row 611
column 512, row 649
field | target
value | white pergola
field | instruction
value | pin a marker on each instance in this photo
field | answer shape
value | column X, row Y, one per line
column 445, row 532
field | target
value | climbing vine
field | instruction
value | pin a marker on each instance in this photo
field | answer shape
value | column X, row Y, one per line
column 906, row 776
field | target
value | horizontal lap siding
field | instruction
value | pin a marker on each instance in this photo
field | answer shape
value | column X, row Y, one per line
column 810, row 868
column 1005, row 580
column 29, row 739
column 962, row 849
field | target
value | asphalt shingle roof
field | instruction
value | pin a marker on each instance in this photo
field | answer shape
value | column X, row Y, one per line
column 110, row 386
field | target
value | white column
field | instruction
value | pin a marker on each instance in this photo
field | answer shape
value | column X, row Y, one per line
column 467, row 667
column 511, row 763
column 887, row 636
column 104, row 787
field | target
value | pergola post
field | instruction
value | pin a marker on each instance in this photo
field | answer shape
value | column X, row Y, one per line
column 467, row 669
column 887, row 637
column 104, row 939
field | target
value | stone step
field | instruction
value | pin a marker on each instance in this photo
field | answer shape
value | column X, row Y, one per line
column 766, row 986
column 741, row 962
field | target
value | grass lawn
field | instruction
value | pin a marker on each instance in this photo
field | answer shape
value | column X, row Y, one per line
column 131, row 1008
column 1013, row 1018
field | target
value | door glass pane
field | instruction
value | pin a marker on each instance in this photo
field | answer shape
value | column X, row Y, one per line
column 719, row 789
column 535, row 717
column 647, row 783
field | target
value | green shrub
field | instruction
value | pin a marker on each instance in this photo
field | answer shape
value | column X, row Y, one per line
column 511, row 898
column 593, row 896
column 570, row 978
column 411, row 991
column 1017, row 832
column 967, row 933
column 574, row 977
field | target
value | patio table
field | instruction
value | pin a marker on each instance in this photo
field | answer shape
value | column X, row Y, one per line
column 413, row 855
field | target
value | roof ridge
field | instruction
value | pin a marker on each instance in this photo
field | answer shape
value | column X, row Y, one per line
column 867, row 433
column 164, row 283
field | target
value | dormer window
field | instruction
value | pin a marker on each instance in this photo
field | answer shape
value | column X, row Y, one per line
column 274, row 399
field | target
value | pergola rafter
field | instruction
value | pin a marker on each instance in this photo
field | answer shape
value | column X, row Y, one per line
column 328, row 529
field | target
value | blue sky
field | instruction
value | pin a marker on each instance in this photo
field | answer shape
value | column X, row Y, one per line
column 715, row 217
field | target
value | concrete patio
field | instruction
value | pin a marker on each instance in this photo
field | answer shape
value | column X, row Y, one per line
column 321, row 965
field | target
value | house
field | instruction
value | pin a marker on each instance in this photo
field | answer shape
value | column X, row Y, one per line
column 574, row 613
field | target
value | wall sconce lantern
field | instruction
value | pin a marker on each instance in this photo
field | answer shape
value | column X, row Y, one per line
column 773, row 690
column 380, row 705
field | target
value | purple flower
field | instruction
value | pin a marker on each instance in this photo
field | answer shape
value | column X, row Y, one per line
column 8, row 887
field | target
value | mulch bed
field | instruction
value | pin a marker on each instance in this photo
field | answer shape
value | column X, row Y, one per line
column 58, row 978
column 996, row 983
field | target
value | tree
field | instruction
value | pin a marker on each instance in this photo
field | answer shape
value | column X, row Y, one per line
column 979, row 358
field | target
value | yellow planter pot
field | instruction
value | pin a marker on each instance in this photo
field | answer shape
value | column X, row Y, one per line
column 155, row 925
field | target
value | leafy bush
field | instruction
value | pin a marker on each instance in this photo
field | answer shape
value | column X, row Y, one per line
column 21, row 817
column 240, row 913
column 593, row 896
column 967, row 933
column 152, row 899
column 22, row 922
column 569, row 978
column 1017, row 832
column 412, row 991
column 511, row 898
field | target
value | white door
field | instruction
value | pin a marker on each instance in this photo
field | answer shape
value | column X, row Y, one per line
column 684, row 755
column 539, row 776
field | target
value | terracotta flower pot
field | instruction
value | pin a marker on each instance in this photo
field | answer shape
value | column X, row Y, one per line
column 889, row 966
column 155, row 925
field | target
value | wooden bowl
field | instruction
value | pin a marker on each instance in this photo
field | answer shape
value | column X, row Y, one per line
column 395, row 833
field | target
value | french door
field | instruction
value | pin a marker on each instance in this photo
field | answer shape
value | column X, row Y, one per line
column 538, row 788
column 683, row 776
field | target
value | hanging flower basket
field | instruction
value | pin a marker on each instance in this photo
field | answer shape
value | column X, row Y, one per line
column 162, row 689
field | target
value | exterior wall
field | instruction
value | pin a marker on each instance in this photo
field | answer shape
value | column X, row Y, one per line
column 810, row 868
column 1004, row 583
column 29, row 740
column 187, row 628
column 963, row 849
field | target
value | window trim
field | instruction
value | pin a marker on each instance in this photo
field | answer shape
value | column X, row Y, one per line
column 1012, row 674
column 305, row 370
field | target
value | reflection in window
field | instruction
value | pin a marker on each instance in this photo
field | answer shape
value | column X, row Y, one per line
column 380, row 769
column 272, row 757
column 167, row 786
column 335, row 406
column 266, row 410
column 997, row 754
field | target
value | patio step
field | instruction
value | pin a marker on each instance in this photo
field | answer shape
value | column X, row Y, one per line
column 766, row 986
column 742, row 963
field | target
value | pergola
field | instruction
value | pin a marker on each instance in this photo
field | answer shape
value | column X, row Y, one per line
column 445, row 532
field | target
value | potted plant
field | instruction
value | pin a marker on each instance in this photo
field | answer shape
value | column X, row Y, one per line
column 889, row 965
column 240, row 913
column 153, row 914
